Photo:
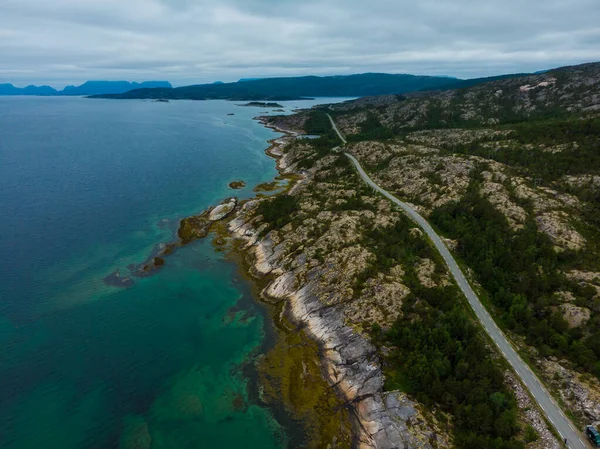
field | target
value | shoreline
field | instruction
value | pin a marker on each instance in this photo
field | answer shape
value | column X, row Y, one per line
column 289, row 341
column 349, row 363
column 333, row 384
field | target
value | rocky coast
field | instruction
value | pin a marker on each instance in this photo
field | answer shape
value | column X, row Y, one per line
column 306, row 242
column 323, row 368
column 349, row 362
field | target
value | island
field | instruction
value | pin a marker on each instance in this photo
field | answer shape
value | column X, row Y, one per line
column 236, row 185
column 262, row 104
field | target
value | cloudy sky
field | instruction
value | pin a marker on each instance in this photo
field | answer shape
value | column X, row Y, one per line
column 60, row 42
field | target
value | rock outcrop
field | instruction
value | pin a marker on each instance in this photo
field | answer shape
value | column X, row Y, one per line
column 350, row 360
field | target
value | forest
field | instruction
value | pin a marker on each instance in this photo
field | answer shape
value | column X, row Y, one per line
column 438, row 354
column 521, row 272
column 318, row 124
column 535, row 147
column 441, row 353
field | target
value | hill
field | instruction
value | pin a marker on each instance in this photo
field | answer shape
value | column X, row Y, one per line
column 87, row 88
column 111, row 87
column 281, row 89
column 558, row 92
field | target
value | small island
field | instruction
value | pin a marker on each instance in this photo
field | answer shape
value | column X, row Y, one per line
column 262, row 104
column 236, row 185
column 161, row 100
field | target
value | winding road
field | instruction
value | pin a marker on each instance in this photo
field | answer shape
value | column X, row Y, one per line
column 566, row 429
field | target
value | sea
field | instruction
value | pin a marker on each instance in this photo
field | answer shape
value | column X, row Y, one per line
column 89, row 187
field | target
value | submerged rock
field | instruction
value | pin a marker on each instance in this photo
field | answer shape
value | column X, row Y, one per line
column 116, row 280
column 135, row 434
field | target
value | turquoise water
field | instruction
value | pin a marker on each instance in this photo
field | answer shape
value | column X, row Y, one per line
column 91, row 186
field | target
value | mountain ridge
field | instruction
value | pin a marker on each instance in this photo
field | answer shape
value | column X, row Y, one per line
column 91, row 87
column 296, row 88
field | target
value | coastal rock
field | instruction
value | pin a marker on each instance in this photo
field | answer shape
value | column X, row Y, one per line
column 350, row 360
column 222, row 210
column 352, row 365
column 311, row 265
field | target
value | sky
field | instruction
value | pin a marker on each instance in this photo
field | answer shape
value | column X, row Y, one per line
column 60, row 42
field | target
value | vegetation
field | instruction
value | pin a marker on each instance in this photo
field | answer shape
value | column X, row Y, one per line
column 262, row 104
column 448, row 365
column 547, row 131
column 529, row 147
column 520, row 271
column 236, row 185
column 278, row 211
column 371, row 129
column 544, row 141
column 439, row 354
column 318, row 123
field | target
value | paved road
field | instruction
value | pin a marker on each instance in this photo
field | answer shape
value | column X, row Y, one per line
column 575, row 439
column 337, row 130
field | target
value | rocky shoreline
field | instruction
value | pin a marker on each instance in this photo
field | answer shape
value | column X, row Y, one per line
column 349, row 362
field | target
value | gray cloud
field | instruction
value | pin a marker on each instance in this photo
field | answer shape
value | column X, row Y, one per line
column 187, row 41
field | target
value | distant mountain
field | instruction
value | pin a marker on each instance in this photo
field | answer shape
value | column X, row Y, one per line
column 292, row 88
column 9, row 89
column 112, row 87
column 88, row 88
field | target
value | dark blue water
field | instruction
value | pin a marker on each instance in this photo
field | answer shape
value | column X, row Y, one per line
column 91, row 186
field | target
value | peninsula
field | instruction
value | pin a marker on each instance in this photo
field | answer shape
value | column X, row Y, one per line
column 396, row 336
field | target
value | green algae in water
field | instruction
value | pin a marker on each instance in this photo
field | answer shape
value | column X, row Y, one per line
column 157, row 365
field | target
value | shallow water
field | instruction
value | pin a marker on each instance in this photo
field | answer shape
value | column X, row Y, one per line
column 91, row 186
